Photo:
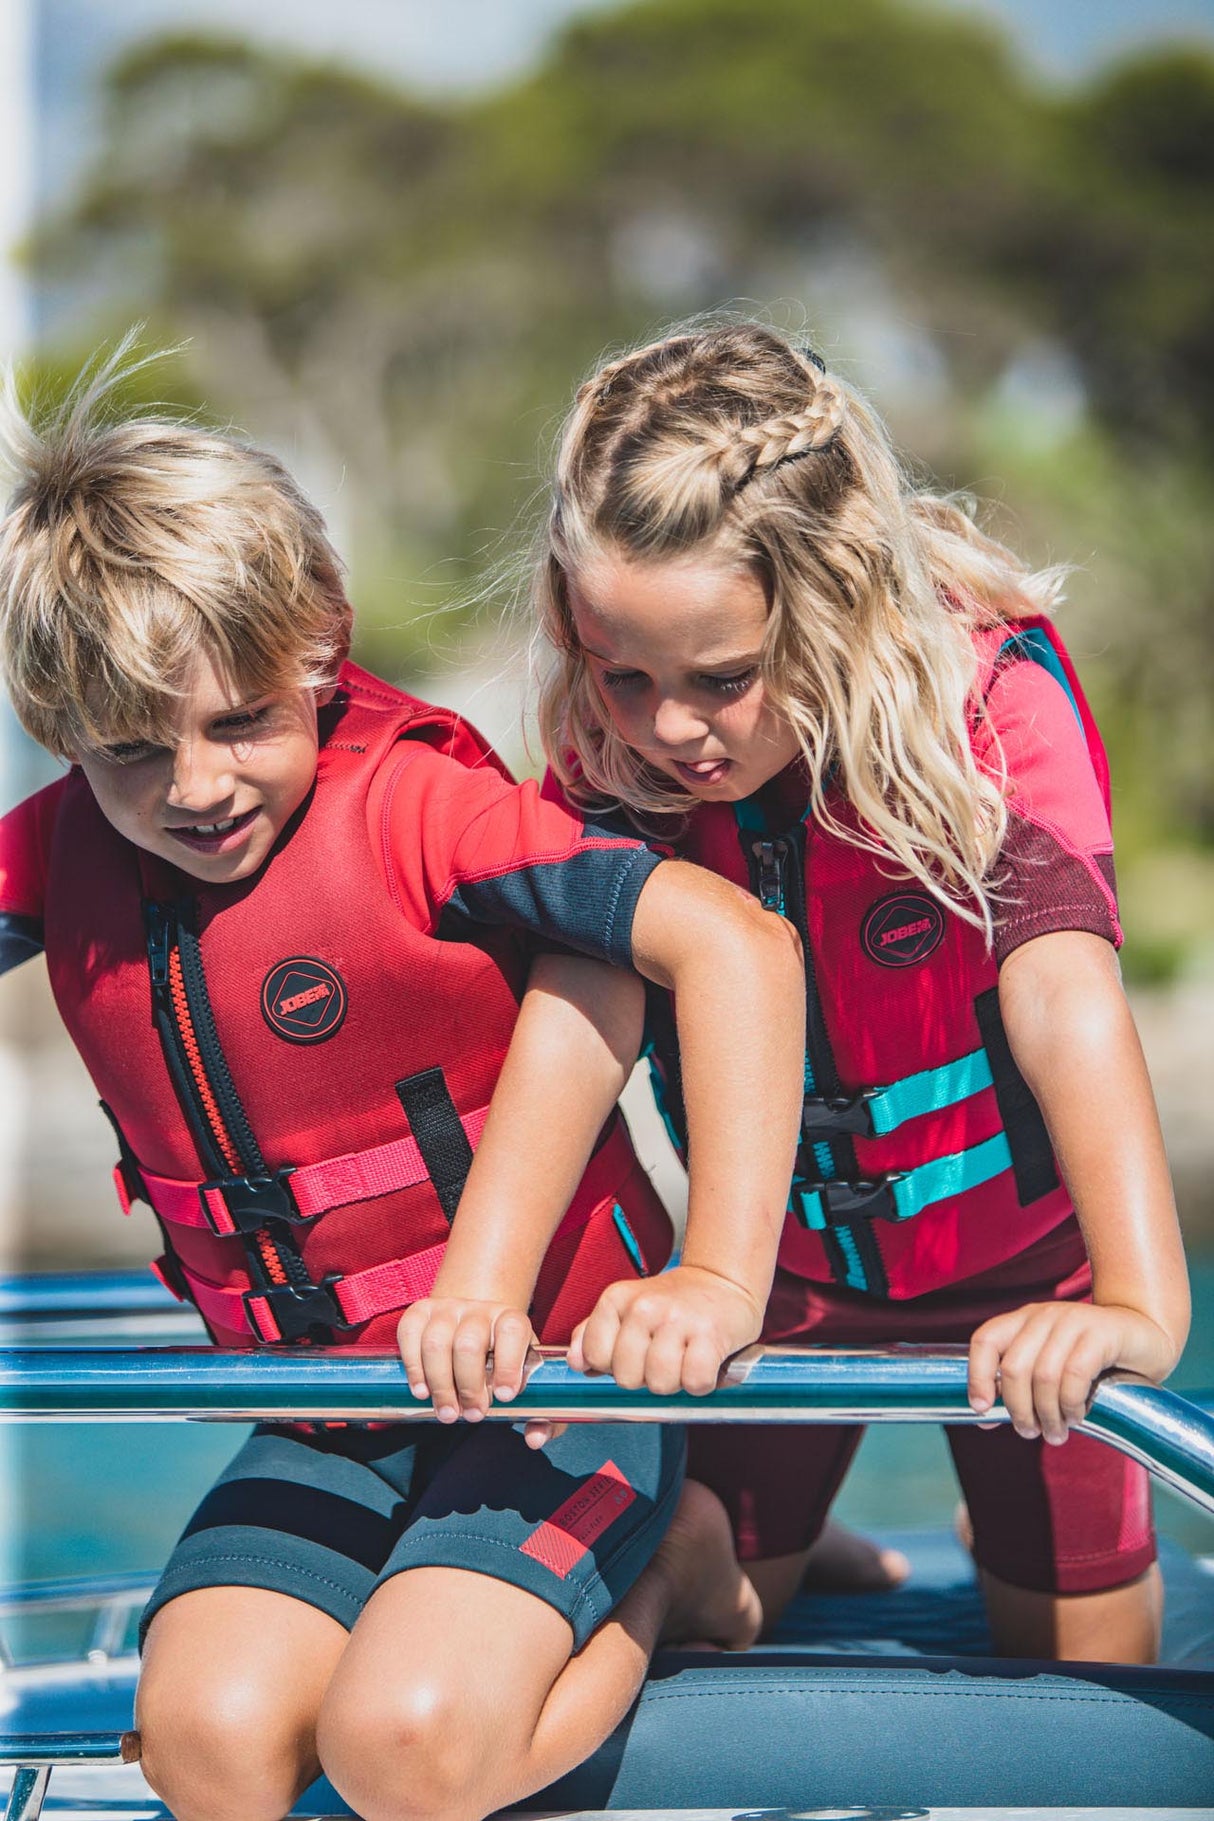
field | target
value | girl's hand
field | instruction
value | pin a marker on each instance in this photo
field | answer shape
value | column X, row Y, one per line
column 669, row 1333
column 1044, row 1359
column 460, row 1352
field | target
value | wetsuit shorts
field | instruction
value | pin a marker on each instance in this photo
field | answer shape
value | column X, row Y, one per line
column 1074, row 1519
column 328, row 1516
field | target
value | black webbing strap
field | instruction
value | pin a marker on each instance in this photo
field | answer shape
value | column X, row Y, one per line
column 1028, row 1140
column 440, row 1136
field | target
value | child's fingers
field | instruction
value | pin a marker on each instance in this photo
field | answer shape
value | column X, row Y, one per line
column 596, row 1337
column 574, row 1355
column 701, row 1365
column 512, row 1338
column 409, row 1333
column 664, row 1359
column 437, row 1366
column 630, row 1355
column 986, row 1349
column 1086, row 1361
column 540, row 1431
column 470, row 1362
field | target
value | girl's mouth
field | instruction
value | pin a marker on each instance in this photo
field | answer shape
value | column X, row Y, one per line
column 703, row 772
column 215, row 837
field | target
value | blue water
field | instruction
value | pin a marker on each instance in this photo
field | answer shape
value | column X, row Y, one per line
column 108, row 1497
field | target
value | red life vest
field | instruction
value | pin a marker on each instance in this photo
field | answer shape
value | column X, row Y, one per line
column 297, row 1074
column 924, row 1159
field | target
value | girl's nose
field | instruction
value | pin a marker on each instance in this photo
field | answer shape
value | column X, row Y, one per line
column 677, row 723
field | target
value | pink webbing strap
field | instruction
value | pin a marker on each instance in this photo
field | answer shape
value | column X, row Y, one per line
column 360, row 1296
column 316, row 1187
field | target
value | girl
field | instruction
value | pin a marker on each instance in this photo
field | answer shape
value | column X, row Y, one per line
column 829, row 686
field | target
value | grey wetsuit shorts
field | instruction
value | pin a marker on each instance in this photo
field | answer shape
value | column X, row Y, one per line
column 326, row 1516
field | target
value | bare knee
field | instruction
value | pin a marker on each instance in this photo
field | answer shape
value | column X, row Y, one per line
column 1119, row 1625
column 408, row 1753
column 222, row 1754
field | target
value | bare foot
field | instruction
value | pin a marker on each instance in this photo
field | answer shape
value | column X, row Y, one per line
column 841, row 1561
column 711, row 1599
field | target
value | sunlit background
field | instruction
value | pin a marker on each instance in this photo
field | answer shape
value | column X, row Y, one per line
column 392, row 235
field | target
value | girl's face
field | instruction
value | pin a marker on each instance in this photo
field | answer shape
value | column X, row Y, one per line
column 674, row 649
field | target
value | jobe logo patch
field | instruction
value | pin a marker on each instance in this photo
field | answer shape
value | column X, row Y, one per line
column 902, row 929
column 303, row 1000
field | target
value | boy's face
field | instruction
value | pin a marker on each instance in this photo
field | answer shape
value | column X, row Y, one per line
column 215, row 802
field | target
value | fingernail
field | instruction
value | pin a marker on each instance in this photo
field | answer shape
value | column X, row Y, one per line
column 503, row 1393
column 473, row 1416
column 446, row 1414
column 980, row 1404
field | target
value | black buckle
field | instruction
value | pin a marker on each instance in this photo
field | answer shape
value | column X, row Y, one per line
column 251, row 1201
column 866, row 1198
column 826, row 1116
column 297, row 1309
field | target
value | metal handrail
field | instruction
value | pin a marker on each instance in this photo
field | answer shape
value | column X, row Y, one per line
column 1171, row 1437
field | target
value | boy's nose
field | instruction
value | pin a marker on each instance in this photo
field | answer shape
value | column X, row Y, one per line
column 202, row 776
column 676, row 723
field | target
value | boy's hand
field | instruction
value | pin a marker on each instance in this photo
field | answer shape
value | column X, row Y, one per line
column 1044, row 1359
column 669, row 1333
column 459, row 1352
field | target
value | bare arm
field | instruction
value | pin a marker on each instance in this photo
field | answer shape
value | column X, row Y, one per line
column 739, row 989
column 1073, row 1037
column 577, row 1037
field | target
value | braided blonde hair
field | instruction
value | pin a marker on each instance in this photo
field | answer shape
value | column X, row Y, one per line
column 726, row 437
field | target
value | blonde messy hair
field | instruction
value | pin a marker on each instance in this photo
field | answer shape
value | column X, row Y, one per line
column 132, row 541
column 726, row 438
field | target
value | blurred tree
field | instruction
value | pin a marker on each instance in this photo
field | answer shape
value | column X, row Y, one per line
column 406, row 292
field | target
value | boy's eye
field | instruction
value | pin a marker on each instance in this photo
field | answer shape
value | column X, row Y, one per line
column 124, row 752
column 242, row 720
column 735, row 685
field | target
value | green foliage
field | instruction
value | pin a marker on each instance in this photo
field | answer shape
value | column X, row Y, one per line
column 402, row 295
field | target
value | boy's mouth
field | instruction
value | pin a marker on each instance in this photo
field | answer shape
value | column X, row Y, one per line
column 214, row 837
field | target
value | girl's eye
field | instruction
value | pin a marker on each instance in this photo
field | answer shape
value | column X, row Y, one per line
column 621, row 679
column 732, row 686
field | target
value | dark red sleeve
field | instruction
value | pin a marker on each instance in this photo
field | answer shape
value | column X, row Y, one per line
column 25, row 839
column 462, row 847
column 1056, row 868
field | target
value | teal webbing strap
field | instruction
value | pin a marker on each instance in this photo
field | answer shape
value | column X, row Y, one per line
column 945, row 1176
column 917, row 1189
column 629, row 1239
column 854, row 1275
column 929, row 1091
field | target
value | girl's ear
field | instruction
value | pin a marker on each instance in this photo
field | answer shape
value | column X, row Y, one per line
column 324, row 695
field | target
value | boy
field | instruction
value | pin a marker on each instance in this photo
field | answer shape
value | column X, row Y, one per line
column 287, row 913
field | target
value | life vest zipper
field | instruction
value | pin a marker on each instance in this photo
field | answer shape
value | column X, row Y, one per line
column 200, row 1074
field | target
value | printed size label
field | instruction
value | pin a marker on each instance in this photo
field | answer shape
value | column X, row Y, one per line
column 902, row 929
column 562, row 1540
column 303, row 1000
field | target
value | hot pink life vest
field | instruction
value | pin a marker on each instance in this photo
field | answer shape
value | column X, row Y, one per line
column 297, row 1074
column 925, row 1159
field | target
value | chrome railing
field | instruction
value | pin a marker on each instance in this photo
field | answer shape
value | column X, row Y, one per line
column 1171, row 1437
column 57, row 1380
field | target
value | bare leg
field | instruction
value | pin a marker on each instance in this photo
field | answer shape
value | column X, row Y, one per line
column 459, row 1693
column 231, row 1685
column 1121, row 1625
column 843, row 1561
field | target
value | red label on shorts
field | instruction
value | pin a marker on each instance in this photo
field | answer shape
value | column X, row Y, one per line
column 560, row 1542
